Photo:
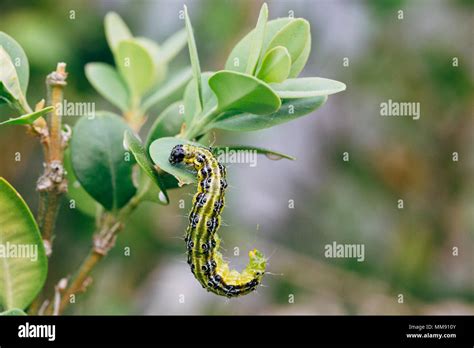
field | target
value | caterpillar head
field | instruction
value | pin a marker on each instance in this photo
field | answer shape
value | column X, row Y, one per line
column 177, row 154
column 257, row 262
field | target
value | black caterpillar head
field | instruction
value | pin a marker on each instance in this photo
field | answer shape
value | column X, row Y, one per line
column 177, row 154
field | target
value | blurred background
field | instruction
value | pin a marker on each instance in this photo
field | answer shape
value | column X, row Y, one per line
column 408, row 252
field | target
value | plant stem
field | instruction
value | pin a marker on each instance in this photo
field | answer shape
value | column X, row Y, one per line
column 47, row 213
column 134, row 116
column 52, row 184
column 104, row 240
column 23, row 106
column 196, row 127
column 79, row 280
column 108, row 227
column 55, row 83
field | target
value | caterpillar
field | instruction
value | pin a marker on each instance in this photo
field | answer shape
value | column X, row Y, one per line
column 202, row 242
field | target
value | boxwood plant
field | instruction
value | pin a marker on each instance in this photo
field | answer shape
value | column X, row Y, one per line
column 104, row 167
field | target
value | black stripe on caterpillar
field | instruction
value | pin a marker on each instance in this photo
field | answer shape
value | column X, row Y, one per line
column 202, row 241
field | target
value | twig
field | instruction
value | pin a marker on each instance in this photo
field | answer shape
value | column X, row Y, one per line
column 43, row 307
column 80, row 281
column 108, row 225
column 104, row 240
column 56, row 81
column 52, row 184
column 134, row 117
column 58, row 289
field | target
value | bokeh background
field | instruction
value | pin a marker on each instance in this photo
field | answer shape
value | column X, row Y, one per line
column 408, row 251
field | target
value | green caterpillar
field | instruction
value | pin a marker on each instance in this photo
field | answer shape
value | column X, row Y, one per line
column 201, row 237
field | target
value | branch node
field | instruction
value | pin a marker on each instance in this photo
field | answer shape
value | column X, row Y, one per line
column 53, row 179
column 58, row 77
column 102, row 244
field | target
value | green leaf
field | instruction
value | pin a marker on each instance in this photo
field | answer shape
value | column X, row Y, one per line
column 168, row 124
column 245, row 93
column 135, row 146
column 257, row 40
column 160, row 151
column 173, row 45
column 171, row 89
column 238, row 58
column 28, row 118
column 273, row 155
column 275, row 65
column 99, row 160
column 193, row 55
column 13, row 312
column 293, row 36
column 154, row 51
column 307, row 87
column 191, row 99
column 161, row 148
column 105, row 79
column 82, row 200
column 10, row 89
column 290, row 110
column 170, row 181
column 115, row 30
column 19, row 59
column 150, row 45
column 136, row 65
column 21, row 276
column 298, row 65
